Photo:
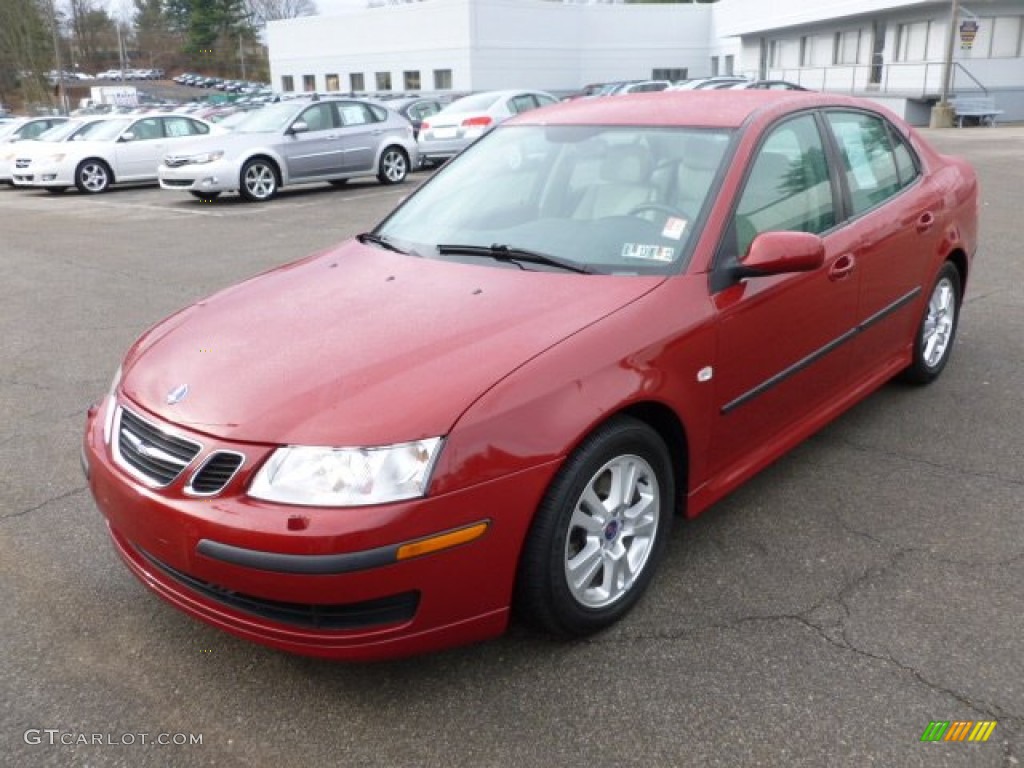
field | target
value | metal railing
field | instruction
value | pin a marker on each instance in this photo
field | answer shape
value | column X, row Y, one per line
column 908, row 79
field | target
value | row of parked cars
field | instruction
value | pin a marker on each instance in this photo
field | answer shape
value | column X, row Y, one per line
column 718, row 82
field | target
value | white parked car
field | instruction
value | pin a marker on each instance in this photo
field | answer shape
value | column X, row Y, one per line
column 444, row 135
column 14, row 132
column 123, row 148
column 46, row 143
column 299, row 141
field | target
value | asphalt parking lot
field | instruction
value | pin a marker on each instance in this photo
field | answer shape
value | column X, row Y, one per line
column 823, row 615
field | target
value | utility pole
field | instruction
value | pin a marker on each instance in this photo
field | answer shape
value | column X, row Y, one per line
column 241, row 54
column 942, row 113
column 61, row 96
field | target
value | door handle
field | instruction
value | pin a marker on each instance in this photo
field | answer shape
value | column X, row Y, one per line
column 842, row 267
column 925, row 222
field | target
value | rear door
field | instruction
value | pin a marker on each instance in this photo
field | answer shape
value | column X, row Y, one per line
column 361, row 132
column 895, row 214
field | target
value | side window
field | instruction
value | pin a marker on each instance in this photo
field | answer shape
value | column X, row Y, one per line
column 353, row 113
column 788, row 188
column 318, row 117
column 148, row 129
column 425, row 110
column 543, row 101
column 176, row 127
column 905, row 165
column 199, row 128
column 522, row 103
column 868, row 159
column 32, row 130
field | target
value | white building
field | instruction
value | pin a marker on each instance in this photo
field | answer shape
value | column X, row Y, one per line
column 891, row 50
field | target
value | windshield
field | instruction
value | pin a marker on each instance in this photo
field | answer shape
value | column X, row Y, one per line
column 65, row 130
column 272, row 117
column 610, row 199
column 105, row 130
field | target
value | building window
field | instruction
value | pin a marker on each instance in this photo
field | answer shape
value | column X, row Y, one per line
column 442, row 79
column 714, row 66
column 333, row 82
column 411, row 80
column 1006, row 36
column 669, row 73
column 356, row 82
column 383, row 81
column 847, row 47
column 730, row 64
column 287, row 83
column 309, row 83
column 912, row 41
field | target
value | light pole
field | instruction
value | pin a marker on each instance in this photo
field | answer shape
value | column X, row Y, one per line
column 62, row 102
column 942, row 113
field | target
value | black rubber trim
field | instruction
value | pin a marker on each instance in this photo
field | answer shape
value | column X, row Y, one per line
column 812, row 358
column 309, row 565
column 382, row 611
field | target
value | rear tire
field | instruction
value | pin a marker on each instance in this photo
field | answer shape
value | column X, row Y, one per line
column 393, row 167
column 599, row 532
column 933, row 342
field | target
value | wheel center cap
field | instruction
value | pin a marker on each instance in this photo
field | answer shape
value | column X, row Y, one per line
column 612, row 530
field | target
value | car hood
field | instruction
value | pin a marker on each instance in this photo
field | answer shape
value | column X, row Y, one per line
column 359, row 346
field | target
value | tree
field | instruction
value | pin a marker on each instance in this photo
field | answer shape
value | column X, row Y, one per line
column 26, row 51
column 262, row 11
column 93, row 35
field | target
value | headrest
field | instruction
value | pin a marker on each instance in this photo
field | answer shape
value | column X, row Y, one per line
column 629, row 164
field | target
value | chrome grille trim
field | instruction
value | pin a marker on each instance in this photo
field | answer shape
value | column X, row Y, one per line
column 216, row 477
column 155, row 455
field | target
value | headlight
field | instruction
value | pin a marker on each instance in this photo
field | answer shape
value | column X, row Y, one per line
column 205, row 157
column 109, row 403
column 347, row 477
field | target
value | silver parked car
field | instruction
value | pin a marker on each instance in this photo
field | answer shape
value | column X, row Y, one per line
column 298, row 141
column 444, row 135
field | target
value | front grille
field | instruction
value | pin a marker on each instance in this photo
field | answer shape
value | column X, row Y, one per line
column 393, row 609
column 149, row 452
column 215, row 473
column 177, row 183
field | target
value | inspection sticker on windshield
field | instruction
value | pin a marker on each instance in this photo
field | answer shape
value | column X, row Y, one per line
column 647, row 252
column 674, row 228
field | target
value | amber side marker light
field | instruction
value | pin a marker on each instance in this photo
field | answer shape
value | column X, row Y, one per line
column 443, row 541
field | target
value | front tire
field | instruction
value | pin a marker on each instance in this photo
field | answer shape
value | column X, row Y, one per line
column 933, row 343
column 599, row 532
column 393, row 167
column 93, row 177
column 258, row 182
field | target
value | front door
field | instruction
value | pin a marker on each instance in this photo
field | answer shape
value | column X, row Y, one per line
column 780, row 352
column 315, row 151
column 139, row 155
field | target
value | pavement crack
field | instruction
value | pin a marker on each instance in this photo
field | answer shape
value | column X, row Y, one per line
column 40, row 505
column 876, row 450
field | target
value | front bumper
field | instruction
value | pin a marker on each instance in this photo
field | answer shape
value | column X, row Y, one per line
column 43, row 174
column 313, row 581
column 219, row 176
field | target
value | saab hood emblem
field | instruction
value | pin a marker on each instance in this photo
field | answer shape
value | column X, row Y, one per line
column 177, row 394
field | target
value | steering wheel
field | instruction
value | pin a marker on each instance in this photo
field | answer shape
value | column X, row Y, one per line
column 668, row 210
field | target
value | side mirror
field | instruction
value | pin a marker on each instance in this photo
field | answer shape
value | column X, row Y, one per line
column 779, row 253
column 127, row 136
column 299, row 126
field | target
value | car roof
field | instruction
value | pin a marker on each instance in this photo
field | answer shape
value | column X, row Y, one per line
column 700, row 108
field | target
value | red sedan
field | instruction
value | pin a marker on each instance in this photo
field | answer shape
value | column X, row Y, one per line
column 602, row 315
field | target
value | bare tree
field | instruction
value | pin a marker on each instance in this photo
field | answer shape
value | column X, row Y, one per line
column 262, row 11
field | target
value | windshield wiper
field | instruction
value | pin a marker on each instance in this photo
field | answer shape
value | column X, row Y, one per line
column 383, row 242
column 500, row 252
